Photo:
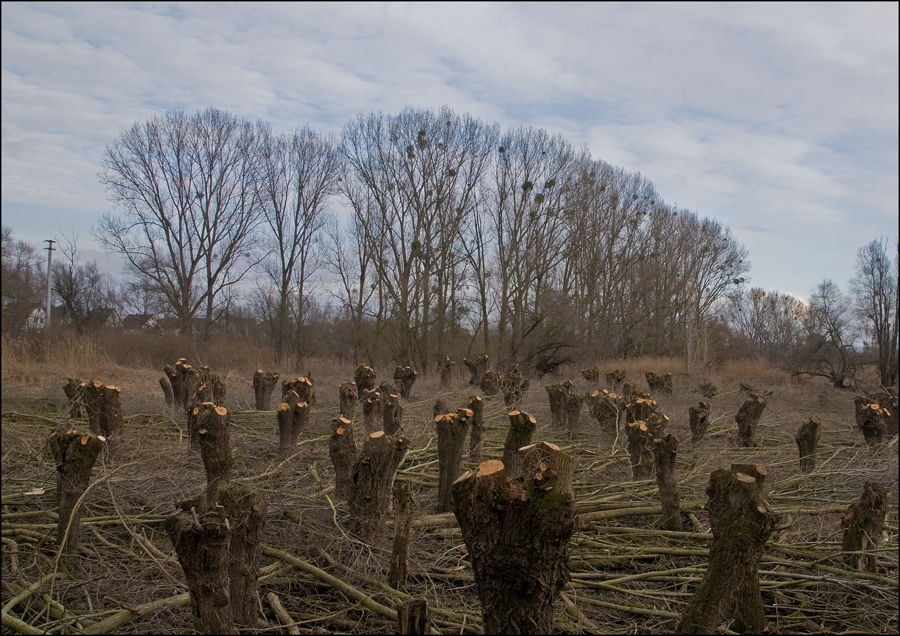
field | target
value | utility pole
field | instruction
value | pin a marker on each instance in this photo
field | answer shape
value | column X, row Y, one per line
column 49, row 249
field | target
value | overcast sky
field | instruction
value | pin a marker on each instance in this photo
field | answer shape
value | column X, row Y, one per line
column 780, row 120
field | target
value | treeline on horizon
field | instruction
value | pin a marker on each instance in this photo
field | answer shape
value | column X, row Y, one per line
column 457, row 238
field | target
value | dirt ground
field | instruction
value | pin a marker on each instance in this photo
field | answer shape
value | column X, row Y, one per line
column 628, row 576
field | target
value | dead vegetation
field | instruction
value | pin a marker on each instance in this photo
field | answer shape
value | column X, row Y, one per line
column 628, row 575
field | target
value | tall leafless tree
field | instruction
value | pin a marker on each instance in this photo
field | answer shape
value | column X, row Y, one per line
column 875, row 293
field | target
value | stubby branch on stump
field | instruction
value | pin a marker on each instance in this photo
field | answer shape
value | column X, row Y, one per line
column 451, row 435
column 640, row 449
column 477, row 368
column 748, row 417
column 729, row 592
column 365, row 380
column 104, row 408
column 74, row 390
column 476, row 435
column 391, row 413
column 372, row 419
column 347, row 398
column 521, row 428
column 263, row 385
column 659, row 383
column 446, row 371
column 605, row 408
column 215, row 447
column 373, row 477
column 862, row 525
column 342, row 449
column 807, row 439
column 291, row 421
column 871, row 420
column 302, row 386
column 490, row 383
column 75, row 455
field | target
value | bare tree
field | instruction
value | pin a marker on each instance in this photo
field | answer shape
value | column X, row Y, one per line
column 830, row 337
column 770, row 322
column 80, row 287
column 874, row 289
column 20, row 270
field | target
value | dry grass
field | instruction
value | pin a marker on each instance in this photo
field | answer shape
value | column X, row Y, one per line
column 127, row 560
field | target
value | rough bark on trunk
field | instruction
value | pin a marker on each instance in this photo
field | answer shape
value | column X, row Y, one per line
column 591, row 375
column 291, row 421
column 891, row 404
column 104, row 403
column 659, row 383
column 517, row 533
column 664, row 451
column 404, row 378
column 446, row 371
column 640, row 409
column 476, row 435
column 748, row 417
column 729, row 592
column 557, row 394
column 202, row 545
column 373, row 477
column 605, row 408
column 862, row 525
column 365, row 380
column 215, row 447
column 698, row 419
column 640, row 448
column 246, row 510
column 521, row 428
column 871, row 420
column 403, row 511
column 451, row 435
column 75, row 455
column 616, row 378
column 490, row 382
column 263, row 385
column 513, row 386
column 173, row 378
column 807, row 439
column 574, row 402
column 440, row 407
column 348, row 397
column 189, row 382
column 477, row 368
column 74, row 390
column 412, row 616
column 342, row 449
column 392, row 413
column 372, row 419
column 166, row 387
column 302, row 386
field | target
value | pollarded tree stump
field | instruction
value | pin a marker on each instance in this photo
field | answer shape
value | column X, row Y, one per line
column 871, row 420
column 263, row 385
column 657, row 423
column 862, row 526
column 211, row 388
column 75, row 455
column 365, row 380
column 166, row 387
column 347, row 398
column 215, row 447
column 373, row 477
column 490, row 383
column 372, row 419
column 757, row 471
column 173, row 378
column 639, row 409
column 616, row 378
column 698, row 419
column 403, row 512
column 659, row 383
column 574, row 402
column 807, row 439
column 451, row 435
column 74, row 390
column 664, row 451
column 291, row 421
column 891, row 404
column 477, row 368
column 342, row 450
column 557, row 394
column 748, row 417
column 246, row 510
column 412, row 616
column 521, row 428
column 188, row 383
column 391, row 413
column 513, row 386
column 202, row 544
column 440, row 407
column 476, row 428
column 729, row 592
column 605, row 408
column 591, row 375
column 548, row 467
column 640, row 449
column 446, row 371
column 302, row 386
column 517, row 534
column 404, row 378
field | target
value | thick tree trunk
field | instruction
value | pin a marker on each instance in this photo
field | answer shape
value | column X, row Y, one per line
column 446, row 371
column 392, row 413
column 659, row 383
column 291, row 421
column 246, row 510
column 202, row 545
column 372, row 419
column 263, row 385
column 891, row 404
column 166, row 387
column 412, row 615
column 573, row 412
column 404, row 378
column 302, row 386
column 348, row 397
column 862, row 526
column 640, row 448
column 557, row 394
column 871, row 420
column 451, row 435
column 477, row 368
column 698, row 419
column 640, row 409
column 664, row 451
column 342, row 449
column 74, row 390
column 517, row 533
column 521, row 428
column 440, row 407
column 748, row 417
column 174, row 381
column 729, row 592
column 513, row 386
column 476, row 435
column 365, row 380
column 188, row 382
column 373, row 477
column 605, row 408
column 75, row 455
column 807, row 439
column 104, row 408
column 490, row 382
column 215, row 447
column 403, row 512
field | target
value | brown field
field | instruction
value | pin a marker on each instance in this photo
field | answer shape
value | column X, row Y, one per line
column 627, row 575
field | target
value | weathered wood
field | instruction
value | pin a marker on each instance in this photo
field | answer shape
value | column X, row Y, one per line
column 606, row 407
column 74, row 390
column 302, row 386
column 392, row 413
column 514, row 386
column 440, row 407
column 557, row 394
column 372, row 419
column 104, row 408
column 446, row 371
column 807, row 439
column 364, row 377
column 729, row 592
column 246, row 510
column 347, row 398
column 215, row 447
column 264, row 382
column 591, row 375
column 548, row 467
column 615, row 378
column 373, row 477
column 757, row 471
column 166, row 387
column 639, row 409
column 342, row 449
column 698, row 420
column 871, row 420
column 664, row 451
column 490, row 382
column 476, row 428
column 403, row 511
column 291, row 421
column 748, row 417
column 862, row 526
column 404, row 378
column 412, row 616
column 477, row 367
column 451, row 435
column 574, row 402
column 640, row 449
column 659, row 383
column 75, row 454
column 521, row 428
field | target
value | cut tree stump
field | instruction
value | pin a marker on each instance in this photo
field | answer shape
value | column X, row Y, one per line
column 605, row 408
column 74, row 390
column 451, row 436
column 372, row 419
column 404, row 378
column 202, row 546
column 574, row 402
column 215, row 447
column 263, row 385
column 521, row 428
column 477, row 368
column 440, row 407
column 302, row 386
column 446, row 371
column 347, row 399
column 412, row 616
column 748, row 417
column 557, row 394
column 373, row 477
column 891, row 404
column 664, row 451
column 513, row 386
column 729, row 592
column 342, row 450
column 391, row 413
column 490, row 382
column 862, row 526
column 517, row 534
column 166, row 387
column 698, row 420
column 757, row 471
column 640, row 409
column 616, row 378
column 659, row 383
column 246, row 510
column 640, row 449
column 75, row 454
column 403, row 512
column 591, row 375
column 807, row 439
column 365, row 380
column 476, row 428
column 291, row 421
column 871, row 420
column 104, row 408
